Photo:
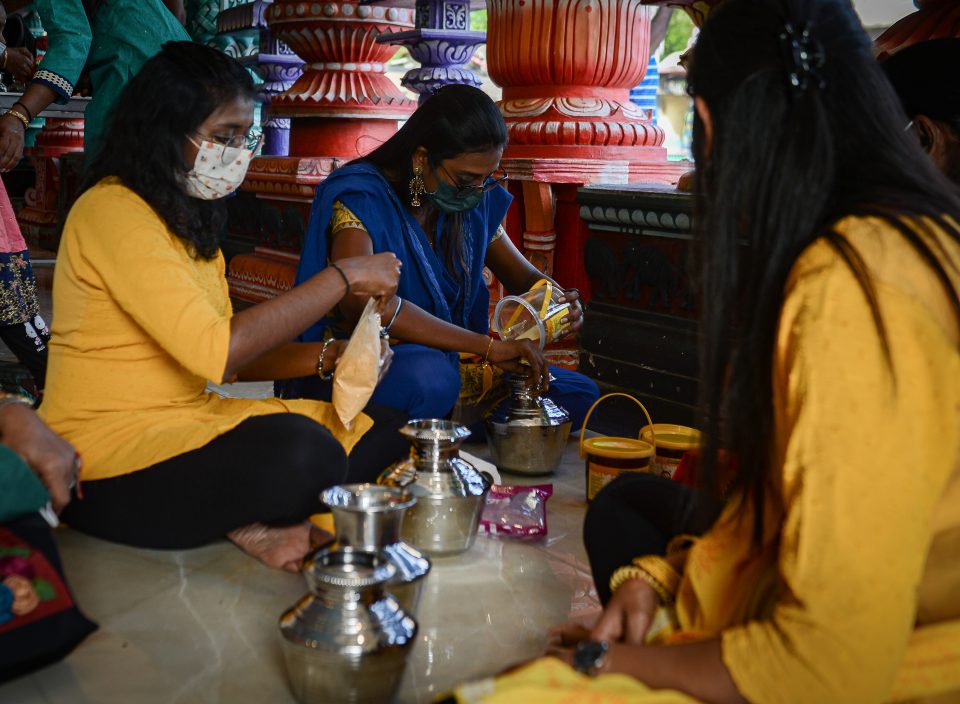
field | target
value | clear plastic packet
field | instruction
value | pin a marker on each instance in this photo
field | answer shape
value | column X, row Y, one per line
column 516, row 511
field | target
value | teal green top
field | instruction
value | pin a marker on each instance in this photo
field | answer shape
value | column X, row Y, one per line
column 125, row 34
column 21, row 492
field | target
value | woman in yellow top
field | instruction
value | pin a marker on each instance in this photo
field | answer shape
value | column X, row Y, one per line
column 830, row 371
column 143, row 321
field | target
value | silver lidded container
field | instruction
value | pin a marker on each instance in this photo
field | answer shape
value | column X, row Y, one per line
column 530, row 436
column 450, row 492
column 368, row 517
column 347, row 641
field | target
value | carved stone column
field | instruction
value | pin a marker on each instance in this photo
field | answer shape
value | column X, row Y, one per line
column 343, row 104
column 242, row 32
column 341, row 107
column 566, row 68
column 442, row 42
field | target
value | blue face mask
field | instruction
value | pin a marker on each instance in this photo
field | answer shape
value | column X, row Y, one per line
column 447, row 198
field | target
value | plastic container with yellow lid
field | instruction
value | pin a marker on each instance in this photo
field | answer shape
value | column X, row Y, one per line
column 607, row 457
column 672, row 442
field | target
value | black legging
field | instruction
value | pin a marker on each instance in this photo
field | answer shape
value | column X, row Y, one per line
column 26, row 350
column 634, row 515
column 269, row 469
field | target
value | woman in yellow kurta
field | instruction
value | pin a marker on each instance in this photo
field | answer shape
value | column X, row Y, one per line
column 143, row 321
column 831, row 372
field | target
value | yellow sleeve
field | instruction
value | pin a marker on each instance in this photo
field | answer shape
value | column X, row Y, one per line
column 148, row 273
column 344, row 219
column 866, row 453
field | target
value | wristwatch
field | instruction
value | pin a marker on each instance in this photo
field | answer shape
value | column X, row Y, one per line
column 590, row 656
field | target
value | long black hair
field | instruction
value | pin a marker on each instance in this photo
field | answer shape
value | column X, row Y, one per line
column 457, row 119
column 158, row 110
column 806, row 131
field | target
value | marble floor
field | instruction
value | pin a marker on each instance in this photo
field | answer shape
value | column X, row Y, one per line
column 201, row 626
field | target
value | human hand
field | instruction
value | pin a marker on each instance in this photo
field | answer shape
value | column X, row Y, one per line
column 523, row 357
column 11, row 142
column 563, row 641
column 20, row 63
column 629, row 613
column 52, row 458
column 374, row 275
column 575, row 317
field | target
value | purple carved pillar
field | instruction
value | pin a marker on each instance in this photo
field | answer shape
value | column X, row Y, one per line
column 279, row 68
column 442, row 42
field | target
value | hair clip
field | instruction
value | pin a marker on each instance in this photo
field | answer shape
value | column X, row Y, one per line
column 803, row 58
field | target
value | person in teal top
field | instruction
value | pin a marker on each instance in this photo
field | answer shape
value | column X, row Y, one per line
column 112, row 39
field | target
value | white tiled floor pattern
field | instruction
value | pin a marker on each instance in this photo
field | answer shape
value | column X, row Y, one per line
column 201, row 626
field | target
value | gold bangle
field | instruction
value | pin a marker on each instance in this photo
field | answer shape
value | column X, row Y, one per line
column 486, row 355
column 660, row 570
column 628, row 573
column 3, row 66
column 20, row 116
column 653, row 570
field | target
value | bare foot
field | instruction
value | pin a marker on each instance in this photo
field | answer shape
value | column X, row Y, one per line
column 279, row 548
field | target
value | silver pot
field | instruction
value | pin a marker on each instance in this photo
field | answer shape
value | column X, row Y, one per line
column 347, row 640
column 450, row 492
column 529, row 437
column 368, row 517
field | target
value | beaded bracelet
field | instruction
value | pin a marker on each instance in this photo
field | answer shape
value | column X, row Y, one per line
column 7, row 399
column 323, row 352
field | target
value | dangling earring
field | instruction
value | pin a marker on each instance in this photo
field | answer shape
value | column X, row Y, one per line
column 417, row 187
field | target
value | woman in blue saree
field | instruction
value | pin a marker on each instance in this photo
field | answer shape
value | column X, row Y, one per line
column 432, row 195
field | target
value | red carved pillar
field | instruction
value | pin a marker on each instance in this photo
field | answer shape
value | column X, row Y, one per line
column 342, row 107
column 344, row 103
column 566, row 68
column 39, row 219
column 936, row 19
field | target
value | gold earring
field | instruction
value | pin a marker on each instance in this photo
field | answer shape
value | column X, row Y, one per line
column 417, row 187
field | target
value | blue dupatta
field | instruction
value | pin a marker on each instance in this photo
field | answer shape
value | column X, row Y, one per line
column 460, row 299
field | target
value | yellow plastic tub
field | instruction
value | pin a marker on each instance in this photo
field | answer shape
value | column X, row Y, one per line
column 607, row 457
column 671, row 441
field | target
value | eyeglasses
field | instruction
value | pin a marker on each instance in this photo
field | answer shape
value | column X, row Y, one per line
column 250, row 141
column 489, row 183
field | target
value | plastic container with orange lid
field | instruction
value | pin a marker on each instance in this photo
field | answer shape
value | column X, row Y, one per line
column 607, row 457
column 672, row 442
